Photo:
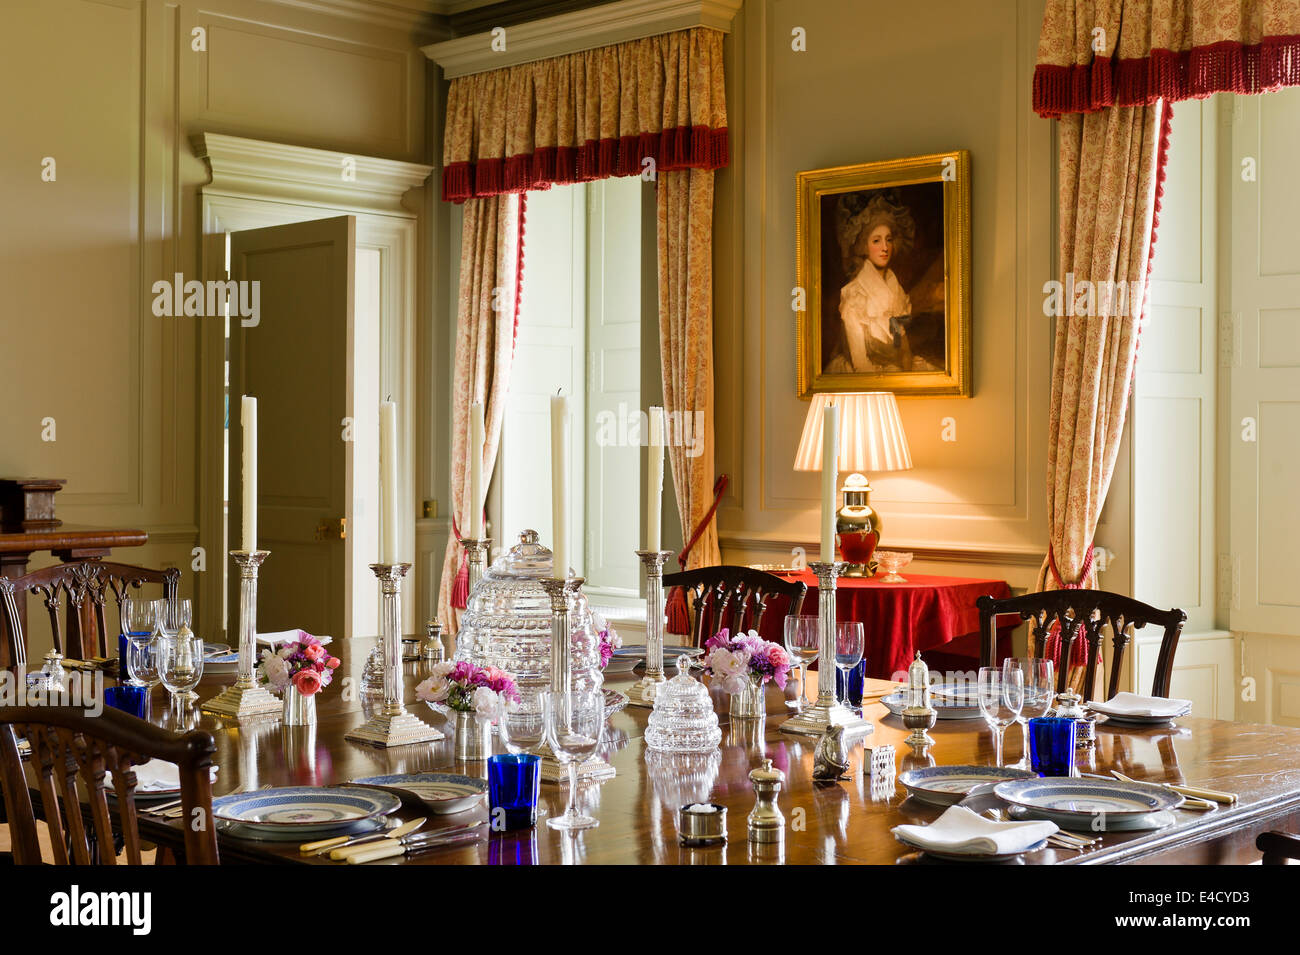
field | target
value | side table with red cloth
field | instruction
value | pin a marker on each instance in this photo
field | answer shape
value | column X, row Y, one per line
column 925, row 613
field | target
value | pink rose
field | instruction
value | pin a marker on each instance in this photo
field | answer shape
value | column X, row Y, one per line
column 313, row 652
column 333, row 663
column 307, row 682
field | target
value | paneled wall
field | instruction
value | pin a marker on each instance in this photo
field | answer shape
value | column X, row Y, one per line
column 112, row 90
column 922, row 78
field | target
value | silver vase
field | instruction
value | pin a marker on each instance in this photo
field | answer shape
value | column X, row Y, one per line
column 749, row 703
column 299, row 709
column 473, row 737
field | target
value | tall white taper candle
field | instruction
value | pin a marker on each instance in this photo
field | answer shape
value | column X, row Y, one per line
column 388, row 480
column 654, row 500
column 560, row 485
column 475, row 452
column 248, row 421
column 830, row 472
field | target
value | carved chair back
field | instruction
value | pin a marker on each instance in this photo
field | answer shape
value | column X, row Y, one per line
column 82, row 587
column 67, row 747
column 1084, row 614
column 733, row 597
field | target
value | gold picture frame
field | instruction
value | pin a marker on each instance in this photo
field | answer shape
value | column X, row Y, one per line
column 903, row 326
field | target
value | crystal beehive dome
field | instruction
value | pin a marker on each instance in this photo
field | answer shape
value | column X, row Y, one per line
column 507, row 623
column 683, row 720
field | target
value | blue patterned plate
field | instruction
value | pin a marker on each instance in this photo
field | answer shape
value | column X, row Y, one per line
column 304, row 807
column 952, row 701
column 1060, row 797
column 945, row 785
column 364, row 827
column 444, row 793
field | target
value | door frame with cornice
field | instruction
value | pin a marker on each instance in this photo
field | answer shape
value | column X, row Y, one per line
column 255, row 184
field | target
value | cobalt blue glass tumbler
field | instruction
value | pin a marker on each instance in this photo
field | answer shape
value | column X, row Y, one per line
column 1051, row 745
column 513, row 785
column 855, row 678
column 128, row 699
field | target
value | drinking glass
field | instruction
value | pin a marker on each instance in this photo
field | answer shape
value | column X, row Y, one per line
column 522, row 727
column 178, row 659
column 1001, row 700
column 848, row 649
column 129, row 698
column 1040, row 688
column 138, row 619
column 141, row 662
column 514, row 783
column 175, row 614
column 801, row 642
column 574, row 722
column 1052, row 745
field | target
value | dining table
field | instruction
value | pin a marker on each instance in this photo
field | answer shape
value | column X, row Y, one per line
column 844, row 822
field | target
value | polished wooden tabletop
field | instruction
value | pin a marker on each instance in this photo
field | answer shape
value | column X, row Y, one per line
column 846, row 822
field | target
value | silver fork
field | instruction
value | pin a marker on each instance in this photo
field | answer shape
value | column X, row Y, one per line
column 1060, row 839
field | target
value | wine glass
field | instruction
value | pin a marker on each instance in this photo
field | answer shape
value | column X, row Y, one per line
column 574, row 722
column 140, row 660
column 178, row 658
column 848, row 650
column 1040, row 689
column 175, row 614
column 801, row 642
column 1001, row 697
column 522, row 727
column 138, row 619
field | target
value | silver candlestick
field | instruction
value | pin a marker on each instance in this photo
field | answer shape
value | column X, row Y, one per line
column 245, row 699
column 561, row 594
column 827, row 711
column 475, row 554
column 644, row 690
column 392, row 725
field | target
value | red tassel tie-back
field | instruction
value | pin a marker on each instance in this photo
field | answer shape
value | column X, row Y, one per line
column 682, row 147
column 1226, row 67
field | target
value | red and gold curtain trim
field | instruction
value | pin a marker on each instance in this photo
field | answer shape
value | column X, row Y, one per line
column 694, row 147
column 1171, row 75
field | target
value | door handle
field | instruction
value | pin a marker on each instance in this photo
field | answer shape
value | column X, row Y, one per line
column 331, row 529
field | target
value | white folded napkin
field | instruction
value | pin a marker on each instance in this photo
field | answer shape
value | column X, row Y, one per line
column 284, row 636
column 1133, row 704
column 963, row 831
column 155, row 776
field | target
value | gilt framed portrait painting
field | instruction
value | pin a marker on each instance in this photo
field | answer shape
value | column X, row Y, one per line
column 883, row 258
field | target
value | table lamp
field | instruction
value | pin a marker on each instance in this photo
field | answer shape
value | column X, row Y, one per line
column 871, row 439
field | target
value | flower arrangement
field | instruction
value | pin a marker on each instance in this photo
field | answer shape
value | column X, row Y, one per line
column 609, row 638
column 746, row 660
column 303, row 664
column 467, row 688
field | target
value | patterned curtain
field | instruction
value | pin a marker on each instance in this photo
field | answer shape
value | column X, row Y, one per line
column 588, row 115
column 653, row 107
column 685, row 228
column 487, row 315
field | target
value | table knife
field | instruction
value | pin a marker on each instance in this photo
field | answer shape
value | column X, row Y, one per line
column 1191, row 792
column 338, row 842
column 414, row 844
column 343, row 853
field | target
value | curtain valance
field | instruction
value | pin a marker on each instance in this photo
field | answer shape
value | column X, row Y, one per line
column 588, row 115
column 1133, row 52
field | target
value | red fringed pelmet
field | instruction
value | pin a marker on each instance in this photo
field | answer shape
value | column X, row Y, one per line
column 683, row 147
column 1170, row 75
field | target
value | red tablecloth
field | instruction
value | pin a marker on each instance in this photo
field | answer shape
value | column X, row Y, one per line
column 925, row 613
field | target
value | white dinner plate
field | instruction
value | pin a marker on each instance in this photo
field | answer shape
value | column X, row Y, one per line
column 444, row 793
column 1067, row 798
column 945, row 785
column 304, row 807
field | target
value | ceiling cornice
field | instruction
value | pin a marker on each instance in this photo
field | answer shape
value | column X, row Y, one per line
column 588, row 29
column 251, row 167
column 419, row 15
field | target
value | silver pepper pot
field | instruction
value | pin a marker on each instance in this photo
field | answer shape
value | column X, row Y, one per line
column 766, row 823
column 919, row 715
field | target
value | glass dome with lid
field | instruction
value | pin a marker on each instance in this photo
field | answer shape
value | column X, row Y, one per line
column 507, row 623
column 683, row 720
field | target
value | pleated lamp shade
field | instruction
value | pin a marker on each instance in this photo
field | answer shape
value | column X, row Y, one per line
column 871, row 434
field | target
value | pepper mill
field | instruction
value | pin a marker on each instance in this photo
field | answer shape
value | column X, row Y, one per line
column 766, row 823
column 433, row 650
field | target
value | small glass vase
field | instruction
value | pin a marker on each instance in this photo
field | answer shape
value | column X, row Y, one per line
column 749, row 703
column 299, row 708
column 473, row 737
